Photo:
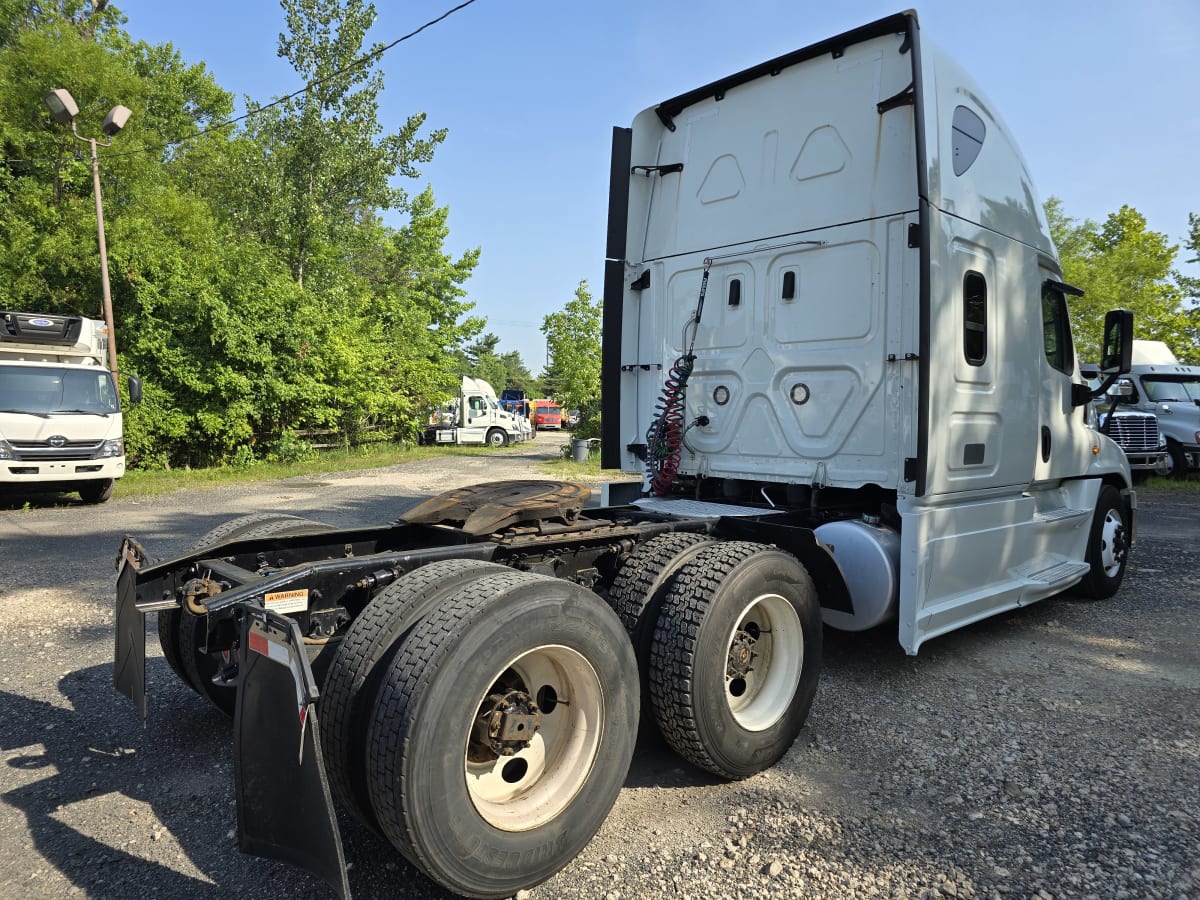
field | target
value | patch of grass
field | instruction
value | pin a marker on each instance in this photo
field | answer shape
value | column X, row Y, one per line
column 1157, row 483
column 565, row 469
column 155, row 482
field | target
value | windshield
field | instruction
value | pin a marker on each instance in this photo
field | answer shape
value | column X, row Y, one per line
column 1180, row 389
column 37, row 390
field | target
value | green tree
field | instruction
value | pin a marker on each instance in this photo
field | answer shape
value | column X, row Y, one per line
column 572, row 373
column 255, row 287
column 327, row 161
column 1120, row 263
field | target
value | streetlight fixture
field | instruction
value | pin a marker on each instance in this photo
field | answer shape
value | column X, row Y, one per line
column 64, row 109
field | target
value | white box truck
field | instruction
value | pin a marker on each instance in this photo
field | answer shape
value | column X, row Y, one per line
column 60, row 411
column 476, row 417
column 835, row 339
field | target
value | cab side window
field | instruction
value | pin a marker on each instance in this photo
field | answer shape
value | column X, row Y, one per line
column 974, row 318
column 1056, row 331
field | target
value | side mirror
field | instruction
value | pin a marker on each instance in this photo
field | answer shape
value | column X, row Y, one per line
column 1121, row 389
column 1117, row 358
column 135, row 389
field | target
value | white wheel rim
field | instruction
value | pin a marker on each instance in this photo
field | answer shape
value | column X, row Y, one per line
column 1112, row 543
column 759, row 694
column 539, row 781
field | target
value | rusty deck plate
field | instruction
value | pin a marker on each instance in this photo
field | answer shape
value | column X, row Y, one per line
column 487, row 508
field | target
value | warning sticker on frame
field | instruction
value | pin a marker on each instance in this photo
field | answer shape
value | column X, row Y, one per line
column 284, row 602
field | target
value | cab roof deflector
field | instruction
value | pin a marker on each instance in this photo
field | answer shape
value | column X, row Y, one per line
column 900, row 23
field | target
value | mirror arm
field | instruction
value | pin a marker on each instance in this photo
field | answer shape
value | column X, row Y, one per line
column 1081, row 393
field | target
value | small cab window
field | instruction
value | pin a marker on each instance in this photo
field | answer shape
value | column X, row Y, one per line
column 974, row 318
column 966, row 138
column 1056, row 330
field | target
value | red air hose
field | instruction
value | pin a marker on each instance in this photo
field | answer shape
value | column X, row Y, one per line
column 664, row 439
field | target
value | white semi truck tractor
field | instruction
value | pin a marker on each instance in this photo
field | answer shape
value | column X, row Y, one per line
column 60, row 411
column 835, row 343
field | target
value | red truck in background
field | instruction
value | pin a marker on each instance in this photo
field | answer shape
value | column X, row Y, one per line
column 546, row 414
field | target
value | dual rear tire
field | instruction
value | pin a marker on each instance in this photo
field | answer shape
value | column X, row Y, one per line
column 483, row 719
column 728, row 635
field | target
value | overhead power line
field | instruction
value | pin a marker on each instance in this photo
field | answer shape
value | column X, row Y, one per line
column 363, row 60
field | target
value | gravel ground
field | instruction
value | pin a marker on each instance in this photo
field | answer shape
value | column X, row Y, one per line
column 1051, row 752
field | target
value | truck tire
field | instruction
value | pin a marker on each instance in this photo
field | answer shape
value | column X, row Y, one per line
column 1108, row 546
column 91, row 492
column 497, row 438
column 353, row 678
column 1177, row 461
column 736, row 657
column 637, row 592
column 547, row 667
column 178, row 628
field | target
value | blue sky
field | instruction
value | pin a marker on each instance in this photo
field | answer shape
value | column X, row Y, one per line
column 1101, row 96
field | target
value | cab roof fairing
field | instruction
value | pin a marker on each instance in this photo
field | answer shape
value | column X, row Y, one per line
column 996, row 191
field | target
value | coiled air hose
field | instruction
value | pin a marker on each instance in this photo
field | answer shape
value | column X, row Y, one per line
column 664, row 439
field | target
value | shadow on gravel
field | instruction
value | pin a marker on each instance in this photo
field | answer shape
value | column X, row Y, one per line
column 107, row 803
column 82, row 759
column 15, row 498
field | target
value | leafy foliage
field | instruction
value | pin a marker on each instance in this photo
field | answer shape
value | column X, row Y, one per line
column 256, row 290
column 1120, row 263
column 480, row 359
column 572, row 374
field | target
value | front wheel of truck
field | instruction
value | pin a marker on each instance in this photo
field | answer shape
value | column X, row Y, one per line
column 503, row 732
column 1108, row 545
column 1177, row 461
column 91, row 492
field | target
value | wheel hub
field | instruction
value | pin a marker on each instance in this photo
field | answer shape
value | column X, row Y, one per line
column 741, row 655
column 1113, row 545
column 505, row 725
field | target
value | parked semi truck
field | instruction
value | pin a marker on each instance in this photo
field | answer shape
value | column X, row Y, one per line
column 835, row 342
column 60, row 411
column 476, row 417
column 1136, row 433
column 546, row 414
column 1161, row 386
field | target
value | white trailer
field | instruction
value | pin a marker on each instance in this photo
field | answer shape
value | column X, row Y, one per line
column 835, row 338
column 60, row 411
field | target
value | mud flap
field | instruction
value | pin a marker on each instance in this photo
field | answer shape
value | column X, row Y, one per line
column 284, row 807
column 129, row 660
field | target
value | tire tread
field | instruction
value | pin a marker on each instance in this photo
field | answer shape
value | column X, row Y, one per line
column 350, row 682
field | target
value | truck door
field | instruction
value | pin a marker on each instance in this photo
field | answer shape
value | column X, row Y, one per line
column 983, row 368
column 475, row 419
column 1062, row 447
